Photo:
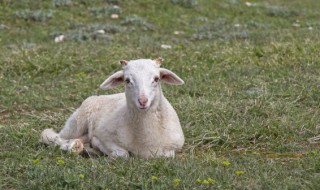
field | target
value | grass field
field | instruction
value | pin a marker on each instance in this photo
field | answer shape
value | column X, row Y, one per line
column 250, row 103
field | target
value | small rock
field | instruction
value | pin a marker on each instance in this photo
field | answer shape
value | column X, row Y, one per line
column 114, row 16
column 101, row 32
column 177, row 32
column 23, row 89
column 296, row 25
column 250, row 4
column 164, row 46
column 3, row 27
column 59, row 38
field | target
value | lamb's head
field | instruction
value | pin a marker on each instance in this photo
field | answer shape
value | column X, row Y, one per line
column 142, row 78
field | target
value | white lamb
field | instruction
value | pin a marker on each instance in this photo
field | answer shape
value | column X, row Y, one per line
column 140, row 121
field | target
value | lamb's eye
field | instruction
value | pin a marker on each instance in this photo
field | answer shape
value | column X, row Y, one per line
column 127, row 81
column 156, row 79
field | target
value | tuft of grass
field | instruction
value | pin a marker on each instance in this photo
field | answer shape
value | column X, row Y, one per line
column 185, row 3
column 135, row 20
column 59, row 3
column 278, row 11
column 106, row 10
column 34, row 15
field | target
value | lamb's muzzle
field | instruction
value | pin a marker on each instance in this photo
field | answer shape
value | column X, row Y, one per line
column 143, row 100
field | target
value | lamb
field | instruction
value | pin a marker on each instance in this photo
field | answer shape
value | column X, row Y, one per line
column 140, row 121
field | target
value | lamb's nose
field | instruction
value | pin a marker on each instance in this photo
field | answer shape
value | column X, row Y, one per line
column 143, row 100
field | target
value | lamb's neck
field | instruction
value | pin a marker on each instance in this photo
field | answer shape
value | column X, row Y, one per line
column 150, row 117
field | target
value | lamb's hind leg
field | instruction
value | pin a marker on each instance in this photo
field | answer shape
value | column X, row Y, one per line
column 50, row 137
column 109, row 148
column 71, row 138
column 75, row 127
column 75, row 145
column 76, row 133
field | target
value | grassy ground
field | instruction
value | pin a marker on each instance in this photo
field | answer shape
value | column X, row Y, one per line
column 250, row 102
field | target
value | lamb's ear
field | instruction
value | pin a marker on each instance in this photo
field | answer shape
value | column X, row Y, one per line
column 124, row 62
column 112, row 81
column 169, row 77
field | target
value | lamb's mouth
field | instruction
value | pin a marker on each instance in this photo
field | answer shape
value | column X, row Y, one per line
column 143, row 107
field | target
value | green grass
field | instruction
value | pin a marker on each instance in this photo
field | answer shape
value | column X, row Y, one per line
column 252, row 92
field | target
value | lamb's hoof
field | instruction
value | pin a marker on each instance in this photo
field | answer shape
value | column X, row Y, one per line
column 76, row 146
column 120, row 153
column 169, row 154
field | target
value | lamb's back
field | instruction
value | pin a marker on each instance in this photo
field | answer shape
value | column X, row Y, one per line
column 97, row 108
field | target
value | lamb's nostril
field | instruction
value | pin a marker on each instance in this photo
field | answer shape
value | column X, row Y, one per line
column 143, row 100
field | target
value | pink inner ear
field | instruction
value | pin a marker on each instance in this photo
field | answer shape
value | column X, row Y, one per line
column 117, row 80
column 168, row 78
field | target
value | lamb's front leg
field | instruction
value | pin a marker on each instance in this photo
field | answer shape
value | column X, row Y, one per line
column 109, row 148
